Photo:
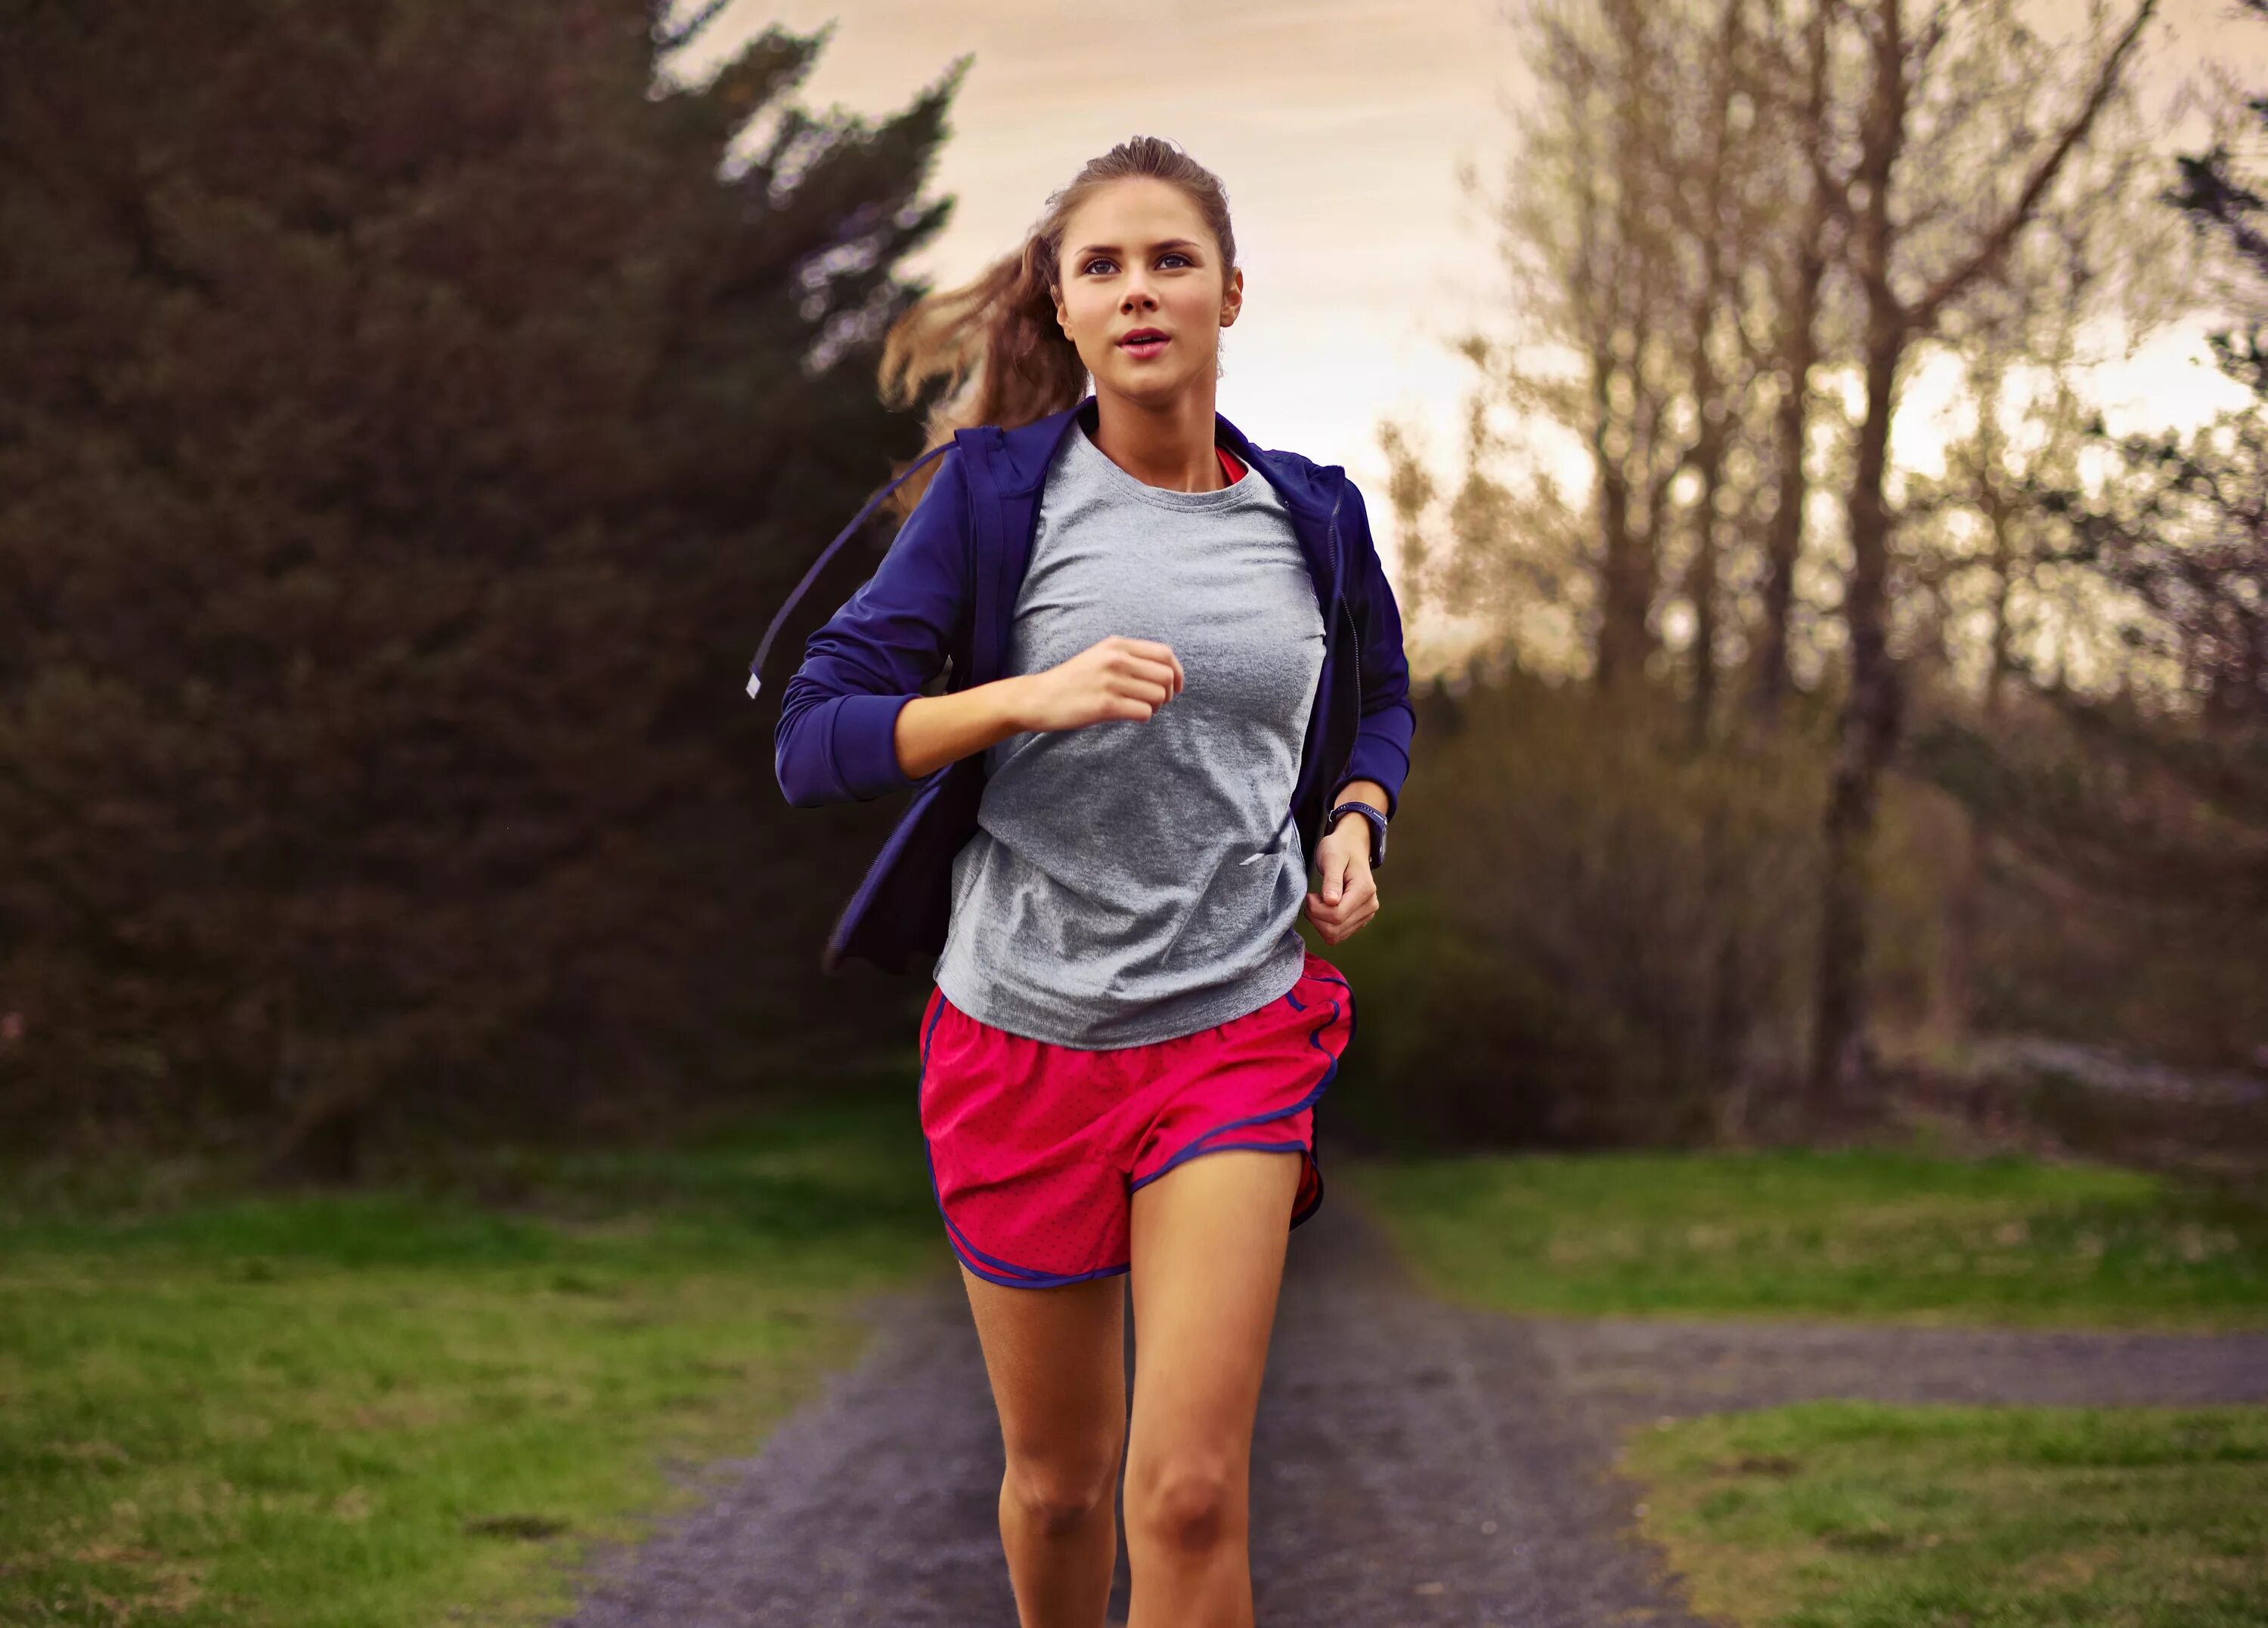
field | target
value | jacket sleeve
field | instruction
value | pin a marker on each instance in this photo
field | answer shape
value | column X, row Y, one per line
column 836, row 740
column 1381, row 744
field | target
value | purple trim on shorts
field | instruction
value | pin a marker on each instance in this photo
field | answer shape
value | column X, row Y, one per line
column 1193, row 1149
column 1200, row 1143
column 992, row 1267
column 1316, row 1203
column 1299, row 1005
column 1354, row 1014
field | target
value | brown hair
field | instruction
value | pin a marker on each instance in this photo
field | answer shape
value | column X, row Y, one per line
column 995, row 339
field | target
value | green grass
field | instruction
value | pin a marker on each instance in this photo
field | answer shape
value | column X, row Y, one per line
column 1833, row 1515
column 408, row 1408
column 1859, row 1233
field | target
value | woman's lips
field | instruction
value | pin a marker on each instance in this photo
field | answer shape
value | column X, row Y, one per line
column 1144, row 347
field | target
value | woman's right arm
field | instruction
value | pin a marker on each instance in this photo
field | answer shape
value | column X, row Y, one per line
column 1114, row 678
column 835, row 742
column 933, row 730
column 853, row 724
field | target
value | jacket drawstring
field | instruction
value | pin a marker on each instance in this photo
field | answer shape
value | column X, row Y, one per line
column 755, row 667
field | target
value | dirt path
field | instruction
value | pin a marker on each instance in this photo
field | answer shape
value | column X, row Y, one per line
column 1414, row 1464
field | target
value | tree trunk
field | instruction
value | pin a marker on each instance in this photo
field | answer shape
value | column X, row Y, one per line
column 1792, row 428
column 1626, row 577
column 1869, row 723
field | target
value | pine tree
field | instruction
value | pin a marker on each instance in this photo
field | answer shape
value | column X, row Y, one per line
column 410, row 427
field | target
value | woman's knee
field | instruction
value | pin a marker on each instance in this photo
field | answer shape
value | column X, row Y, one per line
column 1190, row 1501
column 1061, row 1492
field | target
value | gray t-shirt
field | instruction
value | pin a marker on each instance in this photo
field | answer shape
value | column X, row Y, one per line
column 1135, row 880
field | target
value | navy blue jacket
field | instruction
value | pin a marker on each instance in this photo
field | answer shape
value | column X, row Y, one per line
column 947, row 590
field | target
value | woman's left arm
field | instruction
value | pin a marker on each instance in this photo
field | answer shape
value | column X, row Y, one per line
column 1381, row 743
column 1348, row 894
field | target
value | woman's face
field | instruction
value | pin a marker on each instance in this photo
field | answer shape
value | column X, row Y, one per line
column 1136, row 255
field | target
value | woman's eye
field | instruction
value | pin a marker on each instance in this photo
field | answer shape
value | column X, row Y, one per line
column 1105, row 260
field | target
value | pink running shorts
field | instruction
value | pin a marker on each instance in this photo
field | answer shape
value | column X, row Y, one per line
column 1036, row 1149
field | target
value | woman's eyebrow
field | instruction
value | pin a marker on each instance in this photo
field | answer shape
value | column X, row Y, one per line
column 1112, row 248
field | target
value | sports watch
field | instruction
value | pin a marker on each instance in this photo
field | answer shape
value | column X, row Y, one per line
column 1377, row 828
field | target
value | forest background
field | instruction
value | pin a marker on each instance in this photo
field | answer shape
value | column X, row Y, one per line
column 415, row 415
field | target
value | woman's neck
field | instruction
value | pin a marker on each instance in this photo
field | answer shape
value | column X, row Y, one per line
column 1169, row 446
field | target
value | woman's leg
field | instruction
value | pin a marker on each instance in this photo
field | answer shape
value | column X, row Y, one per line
column 1056, row 1359
column 1209, row 1240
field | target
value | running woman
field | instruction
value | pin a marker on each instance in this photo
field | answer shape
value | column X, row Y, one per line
column 1178, row 682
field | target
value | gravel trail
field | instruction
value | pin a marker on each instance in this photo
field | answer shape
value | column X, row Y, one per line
column 1414, row 1464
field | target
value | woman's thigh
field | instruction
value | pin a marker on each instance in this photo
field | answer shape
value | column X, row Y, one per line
column 1056, row 1361
column 1209, row 1238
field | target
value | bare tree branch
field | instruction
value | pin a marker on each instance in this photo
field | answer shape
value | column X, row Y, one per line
column 1924, row 312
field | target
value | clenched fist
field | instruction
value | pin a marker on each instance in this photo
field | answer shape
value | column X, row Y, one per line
column 1113, row 677
column 1349, row 895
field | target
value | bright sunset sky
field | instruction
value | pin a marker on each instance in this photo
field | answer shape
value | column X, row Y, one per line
column 1337, row 127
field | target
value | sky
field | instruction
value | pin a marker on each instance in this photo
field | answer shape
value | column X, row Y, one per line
column 1338, row 128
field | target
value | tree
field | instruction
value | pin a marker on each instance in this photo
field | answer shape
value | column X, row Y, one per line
column 1925, row 93
column 1620, row 241
column 2181, row 534
column 1804, row 103
column 1668, row 251
column 407, row 426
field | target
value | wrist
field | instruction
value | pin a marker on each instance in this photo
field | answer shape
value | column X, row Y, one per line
column 1012, row 710
column 1370, row 821
column 1369, row 792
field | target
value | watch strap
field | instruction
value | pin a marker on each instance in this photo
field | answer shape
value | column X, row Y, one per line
column 1370, row 817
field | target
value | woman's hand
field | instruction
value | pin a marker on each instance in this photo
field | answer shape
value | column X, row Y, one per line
column 1349, row 897
column 1113, row 677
